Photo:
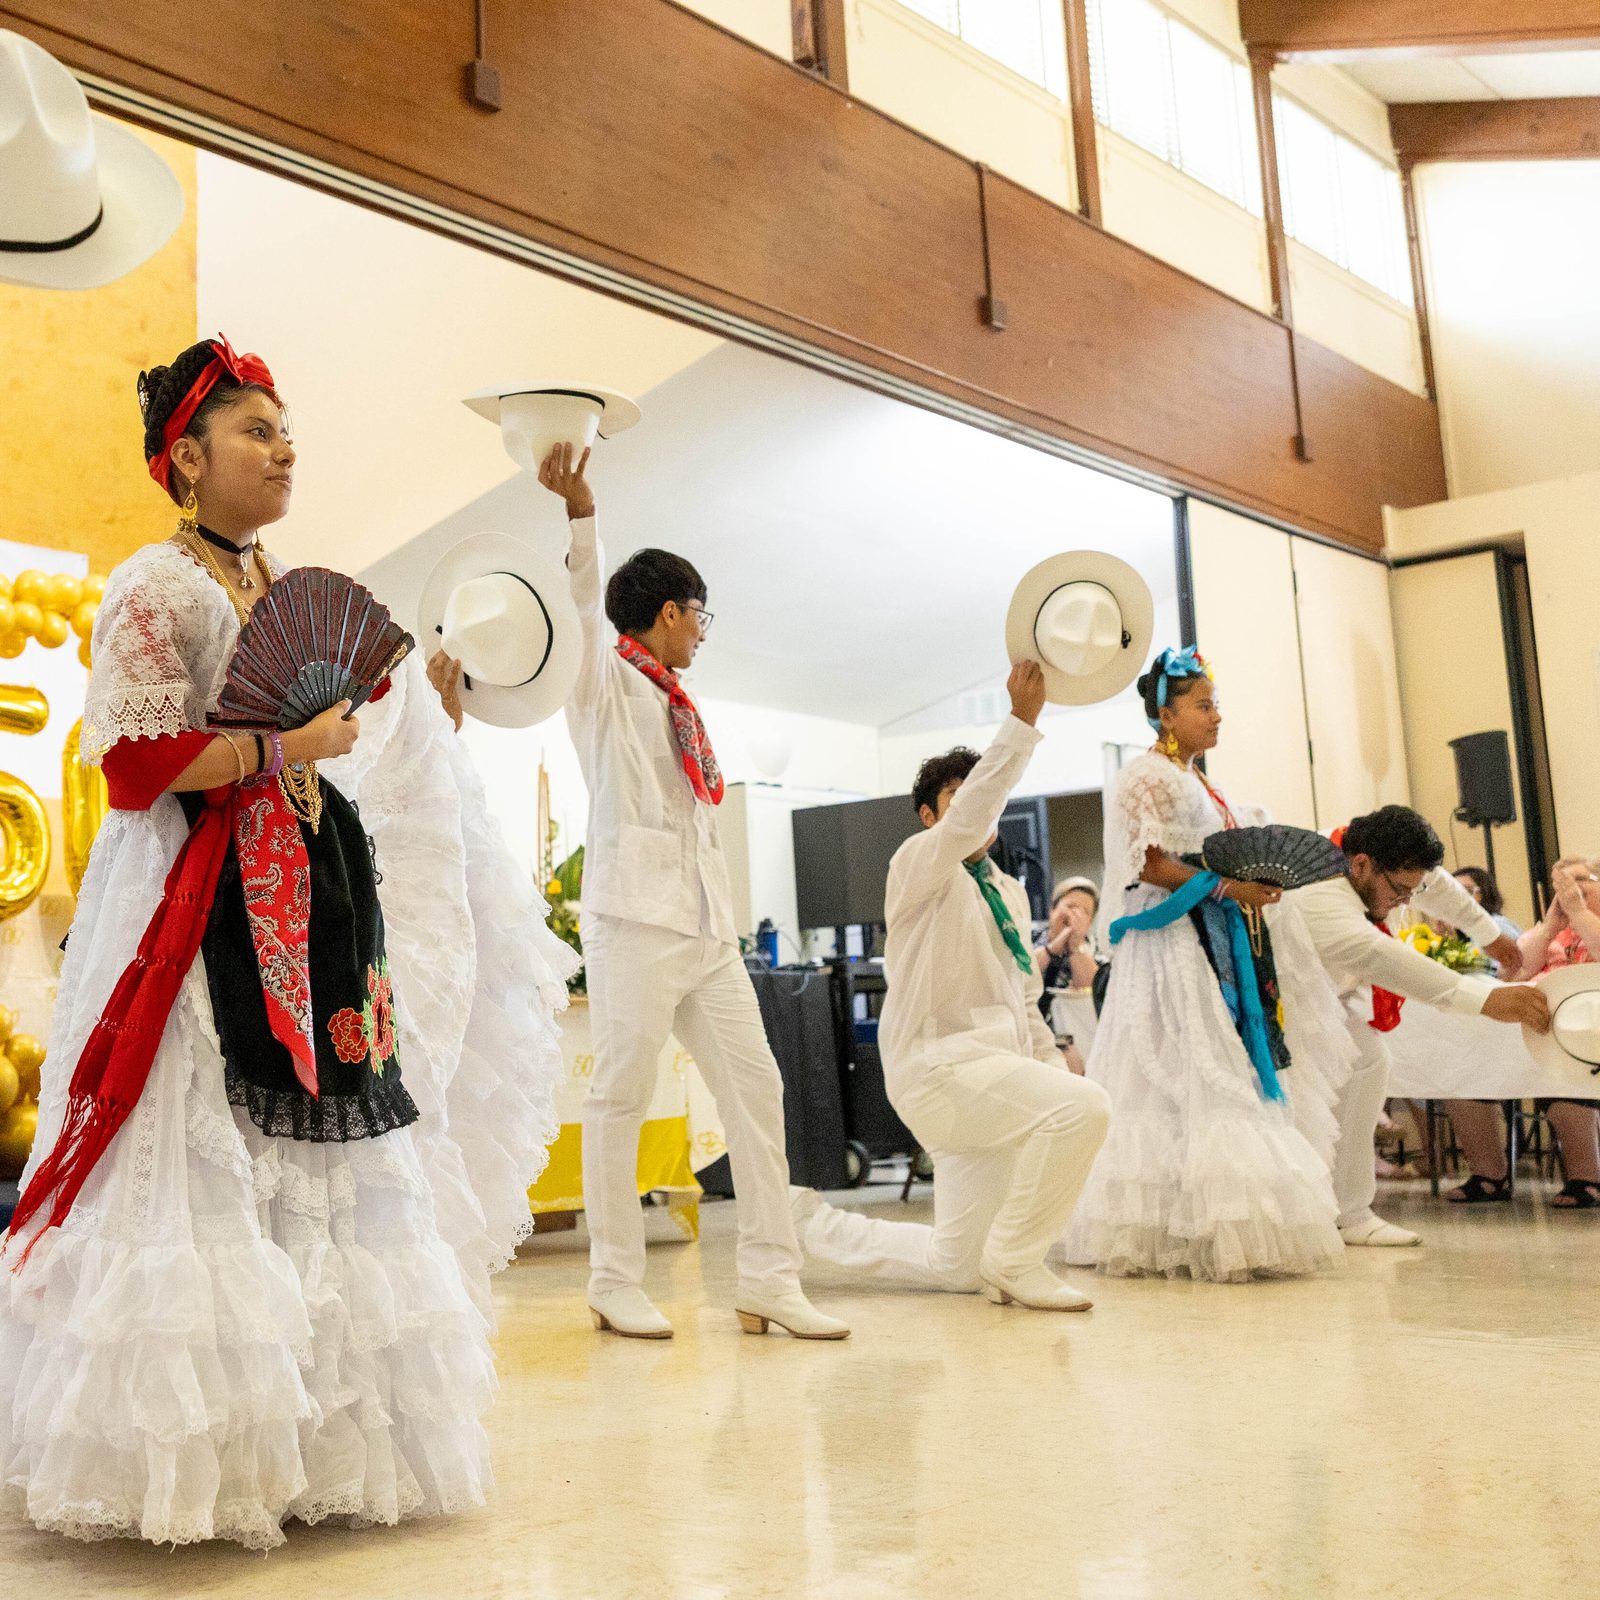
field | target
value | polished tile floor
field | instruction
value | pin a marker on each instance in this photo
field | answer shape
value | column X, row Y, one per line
column 1418, row 1426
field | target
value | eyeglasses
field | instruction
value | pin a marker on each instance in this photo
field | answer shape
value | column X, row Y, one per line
column 703, row 618
column 1398, row 890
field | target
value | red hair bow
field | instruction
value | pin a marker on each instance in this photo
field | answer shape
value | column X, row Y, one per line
column 247, row 368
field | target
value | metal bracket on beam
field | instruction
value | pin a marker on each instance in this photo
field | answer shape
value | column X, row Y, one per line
column 483, row 80
column 990, row 306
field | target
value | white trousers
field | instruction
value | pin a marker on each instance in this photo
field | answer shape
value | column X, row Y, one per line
column 1012, row 1141
column 1355, row 1181
column 644, row 984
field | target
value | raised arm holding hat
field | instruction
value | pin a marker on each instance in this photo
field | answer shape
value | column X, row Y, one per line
column 970, row 1065
column 658, row 931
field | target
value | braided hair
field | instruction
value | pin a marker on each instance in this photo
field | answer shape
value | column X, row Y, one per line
column 161, row 391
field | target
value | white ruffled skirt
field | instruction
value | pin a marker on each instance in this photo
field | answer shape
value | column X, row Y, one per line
column 229, row 1330
column 1200, row 1175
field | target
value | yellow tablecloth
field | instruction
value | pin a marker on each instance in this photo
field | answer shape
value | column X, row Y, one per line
column 681, row 1134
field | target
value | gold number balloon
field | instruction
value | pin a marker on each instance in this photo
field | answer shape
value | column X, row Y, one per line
column 24, row 826
column 84, row 804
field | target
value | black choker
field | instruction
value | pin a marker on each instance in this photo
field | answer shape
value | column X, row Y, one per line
column 241, row 552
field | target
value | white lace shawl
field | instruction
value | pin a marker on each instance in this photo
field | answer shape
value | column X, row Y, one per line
column 163, row 638
column 1154, row 802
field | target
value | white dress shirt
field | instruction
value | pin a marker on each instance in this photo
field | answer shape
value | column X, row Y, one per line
column 652, row 853
column 1359, row 955
column 956, row 992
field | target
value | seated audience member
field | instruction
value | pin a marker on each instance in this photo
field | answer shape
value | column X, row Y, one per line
column 1568, row 933
column 1067, row 958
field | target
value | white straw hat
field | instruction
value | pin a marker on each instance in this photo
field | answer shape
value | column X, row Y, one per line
column 535, row 417
column 1572, row 1046
column 83, row 200
column 1086, row 618
column 504, row 610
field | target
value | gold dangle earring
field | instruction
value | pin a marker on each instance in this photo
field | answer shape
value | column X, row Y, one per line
column 1171, row 746
column 189, row 514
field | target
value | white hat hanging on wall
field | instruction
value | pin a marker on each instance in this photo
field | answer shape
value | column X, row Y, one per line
column 83, row 200
column 535, row 417
column 1571, row 1049
column 1087, row 619
column 503, row 608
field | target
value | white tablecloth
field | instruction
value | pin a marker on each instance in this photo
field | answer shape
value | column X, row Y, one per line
column 1442, row 1055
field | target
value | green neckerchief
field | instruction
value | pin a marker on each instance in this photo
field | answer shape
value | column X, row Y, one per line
column 983, row 876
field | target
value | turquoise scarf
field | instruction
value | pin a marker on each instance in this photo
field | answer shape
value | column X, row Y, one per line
column 983, row 875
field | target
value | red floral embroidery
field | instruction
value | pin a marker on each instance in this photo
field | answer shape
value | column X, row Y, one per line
column 349, row 1032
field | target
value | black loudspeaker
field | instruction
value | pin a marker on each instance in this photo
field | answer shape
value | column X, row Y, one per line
column 1483, row 778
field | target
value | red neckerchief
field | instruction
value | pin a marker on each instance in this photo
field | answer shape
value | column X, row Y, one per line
column 243, row 369
column 1386, row 1003
column 699, row 760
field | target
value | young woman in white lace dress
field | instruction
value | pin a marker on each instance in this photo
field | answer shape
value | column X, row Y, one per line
column 1217, row 1163
column 227, row 1300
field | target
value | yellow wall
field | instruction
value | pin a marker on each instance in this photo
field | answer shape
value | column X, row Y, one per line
column 1437, row 605
column 72, row 473
column 763, row 22
column 1555, row 524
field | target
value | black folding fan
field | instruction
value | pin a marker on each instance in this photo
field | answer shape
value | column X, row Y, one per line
column 315, row 638
column 1288, row 857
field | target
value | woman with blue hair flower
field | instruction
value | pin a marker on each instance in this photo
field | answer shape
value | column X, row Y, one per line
column 1217, row 1164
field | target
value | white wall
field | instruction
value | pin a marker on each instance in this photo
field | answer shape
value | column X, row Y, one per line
column 763, row 22
column 917, row 71
column 1510, row 252
column 1246, row 628
column 374, row 330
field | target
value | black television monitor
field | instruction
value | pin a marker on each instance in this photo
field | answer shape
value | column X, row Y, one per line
column 841, row 858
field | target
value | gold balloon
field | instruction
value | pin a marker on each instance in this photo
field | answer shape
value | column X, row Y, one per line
column 65, row 592
column 8, row 617
column 83, row 615
column 24, row 846
column 84, row 804
column 22, row 710
column 23, row 1051
column 11, row 646
column 10, row 1086
column 94, row 586
column 28, row 1077
column 28, row 618
column 32, row 586
column 83, row 654
column 55, row 632
column 8, row 1023
column 17, row 1129
column 5, row 587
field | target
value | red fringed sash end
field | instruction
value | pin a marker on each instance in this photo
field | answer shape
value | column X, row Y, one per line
column 86, row 1134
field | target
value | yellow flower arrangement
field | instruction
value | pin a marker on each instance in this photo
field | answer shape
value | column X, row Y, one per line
column 1452, row 950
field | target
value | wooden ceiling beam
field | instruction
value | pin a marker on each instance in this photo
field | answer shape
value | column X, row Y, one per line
column 1497, row 130
column 1337, row 30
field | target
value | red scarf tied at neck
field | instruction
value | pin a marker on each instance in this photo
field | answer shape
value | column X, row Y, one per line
column 699, row 760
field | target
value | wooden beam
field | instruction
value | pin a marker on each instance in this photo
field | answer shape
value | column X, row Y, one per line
column 1333, row 30
column 1497, row 130
column 1080, row 92
column 1261, row 64
column 766, row 205
column 819, row 44
column 1419, row 284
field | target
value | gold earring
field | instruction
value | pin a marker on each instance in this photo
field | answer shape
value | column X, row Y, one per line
column 189, row 514
column 1171, row 746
